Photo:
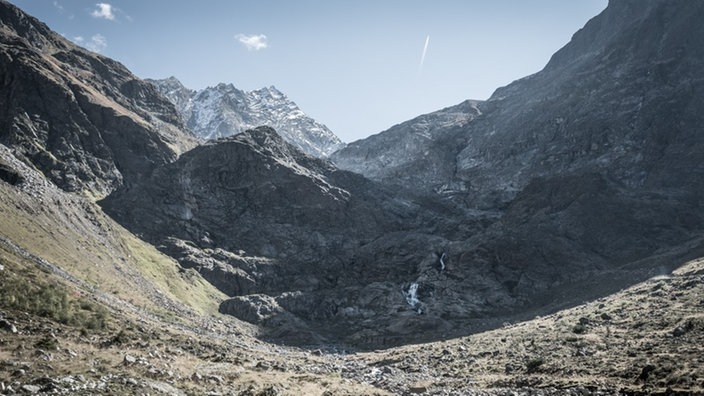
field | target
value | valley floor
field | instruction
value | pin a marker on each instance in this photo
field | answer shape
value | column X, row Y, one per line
column 648, row 339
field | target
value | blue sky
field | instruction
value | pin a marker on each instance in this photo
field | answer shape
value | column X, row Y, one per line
column 353, row 65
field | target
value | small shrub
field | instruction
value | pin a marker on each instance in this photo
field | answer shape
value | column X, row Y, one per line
column 579, row 329
column 121, row 338
column 48, row 344
column 534, row 364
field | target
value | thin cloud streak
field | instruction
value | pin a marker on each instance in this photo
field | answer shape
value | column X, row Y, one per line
column 422, row 57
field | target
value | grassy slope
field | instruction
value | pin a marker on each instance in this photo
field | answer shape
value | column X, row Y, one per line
column 72, row 233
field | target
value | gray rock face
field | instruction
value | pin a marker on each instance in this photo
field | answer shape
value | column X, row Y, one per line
column 224, row 110
column 261, row 218
column 84, row 120
column 419, row 153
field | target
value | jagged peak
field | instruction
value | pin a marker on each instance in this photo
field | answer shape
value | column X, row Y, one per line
column 225, row 87
column 173, row 80
column 270, row 91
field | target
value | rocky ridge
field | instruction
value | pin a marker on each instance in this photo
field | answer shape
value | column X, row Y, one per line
column 224, row 110
column 81, row 118
column 410, row 153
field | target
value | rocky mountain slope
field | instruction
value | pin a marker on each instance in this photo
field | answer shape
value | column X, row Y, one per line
column 620, row 100
column 295, row 242
column 520, row 234
column 191, row 262
column 411, row 153
column 83, row 119
column 224, row 110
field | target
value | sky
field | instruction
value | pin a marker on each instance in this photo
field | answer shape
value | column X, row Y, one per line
column 358, row 66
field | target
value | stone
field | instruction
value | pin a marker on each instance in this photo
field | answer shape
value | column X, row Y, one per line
column 645, row 372
column 32, row 389
column 682, row 329
column 129, row 360
column 7, row 326
column 417, row 389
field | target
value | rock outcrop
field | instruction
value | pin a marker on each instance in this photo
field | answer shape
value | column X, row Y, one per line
column 419, row 153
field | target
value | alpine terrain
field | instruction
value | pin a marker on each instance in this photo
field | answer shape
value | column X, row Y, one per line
column 546, row 241
column 224, row 110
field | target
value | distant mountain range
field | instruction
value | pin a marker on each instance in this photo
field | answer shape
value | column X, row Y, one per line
column 224, row 110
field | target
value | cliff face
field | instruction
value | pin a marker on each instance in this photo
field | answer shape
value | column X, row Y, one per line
column 83, row 119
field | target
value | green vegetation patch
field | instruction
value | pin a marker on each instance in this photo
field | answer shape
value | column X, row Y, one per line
column 25, row 288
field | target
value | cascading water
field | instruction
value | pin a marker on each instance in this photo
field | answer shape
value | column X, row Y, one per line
column 412, row 297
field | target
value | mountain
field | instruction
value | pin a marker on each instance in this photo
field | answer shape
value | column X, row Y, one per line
column 224, row 110
column 288, row 234
column 602, row 148
column 620, row 100
column 411, row 153
column 592, row 165
column 129, row 265
column 83, row 119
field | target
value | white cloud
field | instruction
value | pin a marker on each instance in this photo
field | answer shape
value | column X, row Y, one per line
column 97, row 42
column 103, row 10
column 254, row 42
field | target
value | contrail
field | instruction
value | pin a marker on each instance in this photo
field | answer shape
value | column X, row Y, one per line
column 422, row 57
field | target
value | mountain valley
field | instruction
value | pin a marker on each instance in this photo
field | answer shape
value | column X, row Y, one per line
column 546, row 241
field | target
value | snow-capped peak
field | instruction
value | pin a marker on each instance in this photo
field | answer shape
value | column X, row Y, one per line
column 225, row 110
